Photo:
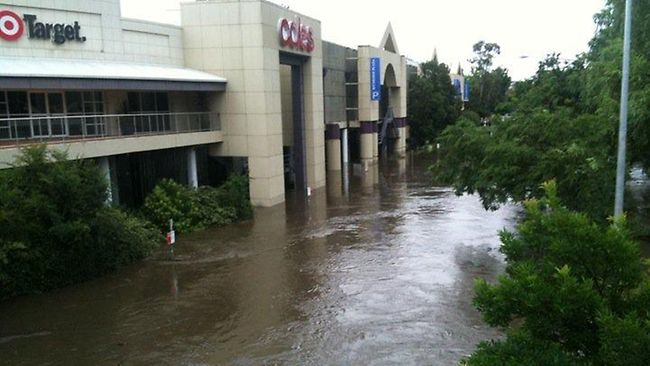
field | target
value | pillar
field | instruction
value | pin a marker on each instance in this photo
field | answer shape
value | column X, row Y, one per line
column 375, row 141
column 192, row 175
column 333, row 138
column 368, row 178
column 334, row 185
column 400, row 144
column 346, row 180
column 344, row 144
column 105, row 168
column 367, row 139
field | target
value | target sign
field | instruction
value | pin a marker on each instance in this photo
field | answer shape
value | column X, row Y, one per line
column 11, row 26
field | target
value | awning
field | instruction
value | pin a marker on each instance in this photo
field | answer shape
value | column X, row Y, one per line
column 42, row 73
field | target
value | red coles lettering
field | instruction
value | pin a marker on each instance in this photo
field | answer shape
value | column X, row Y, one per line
column 296, row 35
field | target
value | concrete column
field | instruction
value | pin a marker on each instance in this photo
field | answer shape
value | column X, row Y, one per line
column 105, row 167
column 334, row 185
column 344, row 144
column 333, row 137
column 368, row 179
column 192, row 175
column 346, row 179
column 375, row 141
column 367, row 140
column 400, row 146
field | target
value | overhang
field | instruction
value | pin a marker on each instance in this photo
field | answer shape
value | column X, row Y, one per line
column 35, row 73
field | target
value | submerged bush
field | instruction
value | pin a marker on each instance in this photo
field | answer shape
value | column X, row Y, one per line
column 196, row 209
column 56, row 228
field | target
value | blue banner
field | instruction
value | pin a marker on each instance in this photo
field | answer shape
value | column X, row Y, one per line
column 457, row 87
column 375, row 78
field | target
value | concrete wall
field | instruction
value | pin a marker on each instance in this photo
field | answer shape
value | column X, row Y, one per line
column 368, row 109
column 334, row 89
column 287, row 105
column 239, row 40
column 117, row 146
column 108, row 36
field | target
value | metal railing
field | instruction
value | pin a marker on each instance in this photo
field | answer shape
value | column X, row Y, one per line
column 55, row 128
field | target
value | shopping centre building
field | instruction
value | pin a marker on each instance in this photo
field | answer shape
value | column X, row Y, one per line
column 241, row 85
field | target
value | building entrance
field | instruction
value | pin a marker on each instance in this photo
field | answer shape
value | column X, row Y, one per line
column 293, row 121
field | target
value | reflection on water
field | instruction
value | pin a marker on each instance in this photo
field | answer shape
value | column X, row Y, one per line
column 377, row 268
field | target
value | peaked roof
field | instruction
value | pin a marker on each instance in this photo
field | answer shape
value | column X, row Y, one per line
column 388, row 41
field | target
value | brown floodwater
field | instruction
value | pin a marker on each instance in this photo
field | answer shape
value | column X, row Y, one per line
column 377, row 269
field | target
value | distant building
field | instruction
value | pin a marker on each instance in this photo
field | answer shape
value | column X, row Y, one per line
column 460, row 85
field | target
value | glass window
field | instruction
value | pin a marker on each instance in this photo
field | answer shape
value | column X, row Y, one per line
column 74, row 102
column 37, row 103
column 18, row 103
column 162, row 102
column 134, row 102
column 55, row 102
column 57, row 126
column 148, row 102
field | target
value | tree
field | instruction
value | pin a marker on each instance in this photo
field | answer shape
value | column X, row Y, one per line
column 488, row 86
column 575, row 290
column 432, row 102
column 512, row 158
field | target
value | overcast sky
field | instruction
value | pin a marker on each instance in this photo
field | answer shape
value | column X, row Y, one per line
column 531, row 28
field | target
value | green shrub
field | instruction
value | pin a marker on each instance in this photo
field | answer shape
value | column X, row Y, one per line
column 122, row 239
column 196, row 209
column 210, row 208
column 56, row 229
column 170, row 200
column 573, row 291
column 235, row 194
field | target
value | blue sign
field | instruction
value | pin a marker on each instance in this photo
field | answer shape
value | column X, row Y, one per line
column 457, row 87
column 375, row 78
column 466, row 94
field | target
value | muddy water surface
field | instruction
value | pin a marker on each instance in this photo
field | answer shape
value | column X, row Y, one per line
column 377, row 269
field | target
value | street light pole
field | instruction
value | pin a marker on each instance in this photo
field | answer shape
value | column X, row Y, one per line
column 622, row 131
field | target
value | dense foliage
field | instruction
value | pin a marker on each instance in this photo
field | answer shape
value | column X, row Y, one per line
column 574, row 293
column 511, row 158
column 432, row 102
column 575, row 290
column 196, row 209
column 562, row 123
column 488, row 86
column 56, row 228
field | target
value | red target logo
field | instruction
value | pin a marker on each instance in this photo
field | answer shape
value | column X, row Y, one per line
column 11, row 26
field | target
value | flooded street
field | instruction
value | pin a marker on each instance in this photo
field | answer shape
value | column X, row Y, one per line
column 382, row 274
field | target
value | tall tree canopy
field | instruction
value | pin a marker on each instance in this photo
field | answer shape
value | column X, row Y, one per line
column 432, row 102
column 488, row 86
column 575, row 291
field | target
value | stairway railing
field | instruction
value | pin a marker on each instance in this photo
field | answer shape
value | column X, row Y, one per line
column 388, row 119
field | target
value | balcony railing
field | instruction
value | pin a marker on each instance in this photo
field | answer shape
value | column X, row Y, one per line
column 56, row 128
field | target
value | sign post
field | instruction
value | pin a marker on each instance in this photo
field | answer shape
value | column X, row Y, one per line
column 171, row 238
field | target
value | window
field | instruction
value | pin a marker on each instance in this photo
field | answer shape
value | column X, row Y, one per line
column 85, row 104
column 54, row 113
column 19, row 108
column 5, row 128
column 154, row 107
column 93, row 104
